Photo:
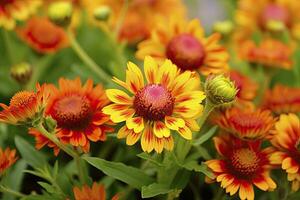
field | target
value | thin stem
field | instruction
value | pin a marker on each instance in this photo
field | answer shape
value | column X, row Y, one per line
column 10, row 191
column 121, row 19
column 207, row 110
column 9, row 50
column 90, row 63
column 80, row 169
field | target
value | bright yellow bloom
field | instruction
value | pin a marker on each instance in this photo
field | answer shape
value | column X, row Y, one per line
column 287, row 142
column 169, row 100
column 184, row 43
column 253, row 15
column 12, row 10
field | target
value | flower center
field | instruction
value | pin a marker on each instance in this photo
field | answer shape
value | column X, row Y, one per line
column 245, row 161
column 186, row 52
column 73, row 112
column 247, row 121
column 154, row 102
column 4, row 2
column 274, row 12
column 22, row 99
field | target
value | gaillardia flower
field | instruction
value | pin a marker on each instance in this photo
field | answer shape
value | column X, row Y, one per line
column 43, row 36
column 7, row 158
column 24, row 107
column 185, row 45
column 97, row 192
column 282, row 99
column 77, row 111
column 246, row 123
column 168, row 101
column 286, row 140
column 12, row 10
column 267, row 13
column 246, row 87
column 269, row 53
column 242, row 165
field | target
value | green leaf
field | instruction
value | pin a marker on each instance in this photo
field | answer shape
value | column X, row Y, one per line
column 155, row 160
column 33, row 157
column 49, row 188
column 130, row 175
column 194, row 166
column 154, row 190
column 205, row 136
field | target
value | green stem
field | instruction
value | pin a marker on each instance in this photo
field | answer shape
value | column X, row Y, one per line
column 121, row 19
column 10, row 191
column 90, row 63
column 207, row 110
column 8, row 45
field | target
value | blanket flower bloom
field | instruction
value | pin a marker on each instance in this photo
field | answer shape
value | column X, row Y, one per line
column 242, row 165
column 43, row 36
column 246, row 123
column 96, row 192
column 170, row 100
column 12, row 10
column 184, row 43
column 77, row 110
column 24, row 106
column 282, row 99
column 7, row 158
column 286, row 140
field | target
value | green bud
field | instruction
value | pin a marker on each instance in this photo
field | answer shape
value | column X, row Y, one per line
column 223, row 27
column 102, row 13
column 275, row 26
column 21, row 72
column 60, row 13
column 220, row 90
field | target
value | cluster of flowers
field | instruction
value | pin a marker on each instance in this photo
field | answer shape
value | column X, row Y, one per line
column 167, row 97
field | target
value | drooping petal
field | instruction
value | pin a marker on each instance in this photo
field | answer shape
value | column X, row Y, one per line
column 160, row 129
column 135, row 123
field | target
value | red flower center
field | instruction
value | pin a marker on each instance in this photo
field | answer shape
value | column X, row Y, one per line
column 4, row 2
column 22, row 99
column 186, row 52
column 154, row 102
column 246, row 121
column 73, row 112
column 276, row 13
column 245, row 162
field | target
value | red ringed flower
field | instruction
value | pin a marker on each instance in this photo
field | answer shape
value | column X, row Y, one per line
column 242, row 165
column 168, row 101
column 286, row 141
column 7, row 158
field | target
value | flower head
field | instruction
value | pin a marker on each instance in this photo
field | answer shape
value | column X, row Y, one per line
column 43, row 36
column 21, row 72
column 7, row 158
column 24, row 106
column 77, row 111
column 246, row 123
column 286, row 140
column 242, row 165
column 96, row 192
column 282, row 99
column 60, row 13
column 12, row 10
column 168, row 101
column 185, row 45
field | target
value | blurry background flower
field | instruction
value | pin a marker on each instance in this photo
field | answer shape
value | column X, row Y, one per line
column 7, row 158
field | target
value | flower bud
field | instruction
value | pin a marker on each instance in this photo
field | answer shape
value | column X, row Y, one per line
column 275, row 26
column 220, row 90
column 60, row 13
column 21, row 72
column 223, row 27
column 102, row 13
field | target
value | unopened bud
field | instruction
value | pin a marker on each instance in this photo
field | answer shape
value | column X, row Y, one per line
column 102, row 13
column 21, row 72
column 60, row 13
column 223, row 27
column 220, row 90
column 275, row 26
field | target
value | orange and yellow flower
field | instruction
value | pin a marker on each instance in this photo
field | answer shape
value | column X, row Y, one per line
column 286, row 140
column 242, row 165
column 141, row 16
column 247, row 88
column 170, row 100
column 77, row 111
column 12, row 10
column 270, row 53
column 43, row 36
column 282, row 99
column 24, row 106
column 97, row 192
column 184, row 43
column 7, row 158
column 259, row 17
column 246, row 123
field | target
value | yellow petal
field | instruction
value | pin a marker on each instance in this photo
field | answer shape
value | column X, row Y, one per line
column 134, row 77
column 118, row 96
column 151, row 69
column 118, row 113
column 147, row 140
column 160, row 129
column 132, row 138
column 174, row 123
column 166, row 73
column 135, row 123
column 123, row 132
column 185, row 132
